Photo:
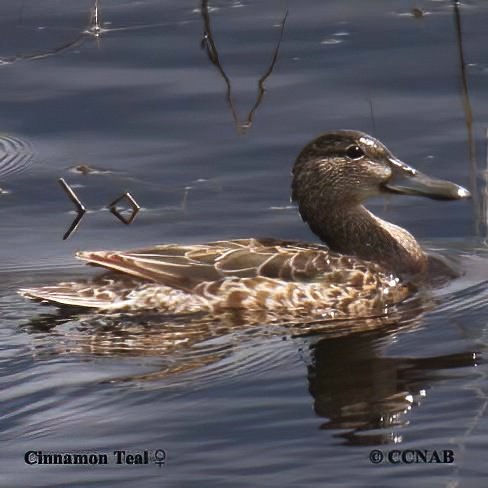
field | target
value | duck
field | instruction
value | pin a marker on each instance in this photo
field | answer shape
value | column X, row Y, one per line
column 363, row 266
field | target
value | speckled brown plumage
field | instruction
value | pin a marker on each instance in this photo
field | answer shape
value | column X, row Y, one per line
column 369, row 264
column 241, row 274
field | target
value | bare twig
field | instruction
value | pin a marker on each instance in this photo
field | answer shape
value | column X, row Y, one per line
column 80, row 208
column 209, row 45
column 72, row 195
column 468, row 116
column 133, row 205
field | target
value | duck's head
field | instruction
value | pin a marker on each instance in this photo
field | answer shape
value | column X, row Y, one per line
column 347, row 167
column 336, row 173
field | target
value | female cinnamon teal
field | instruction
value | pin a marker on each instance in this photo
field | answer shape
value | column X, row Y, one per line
column 368, row 264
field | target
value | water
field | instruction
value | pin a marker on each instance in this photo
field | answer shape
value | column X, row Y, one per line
column 131, row 95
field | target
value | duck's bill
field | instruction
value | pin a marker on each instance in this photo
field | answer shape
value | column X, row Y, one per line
column 408, row 181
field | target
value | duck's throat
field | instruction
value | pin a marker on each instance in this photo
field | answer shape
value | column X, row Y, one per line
column 357, row 232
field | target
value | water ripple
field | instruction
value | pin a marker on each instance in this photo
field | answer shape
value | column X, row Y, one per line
column 178, row 350
column 16, row 155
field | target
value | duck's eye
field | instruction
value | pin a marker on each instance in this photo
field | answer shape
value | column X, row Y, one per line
column 354, row 152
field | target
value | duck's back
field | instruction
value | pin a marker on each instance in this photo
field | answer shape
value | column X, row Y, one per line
column 250, row 274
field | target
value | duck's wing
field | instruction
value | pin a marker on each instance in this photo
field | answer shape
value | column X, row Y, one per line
column 185, row 267
column 244, row 274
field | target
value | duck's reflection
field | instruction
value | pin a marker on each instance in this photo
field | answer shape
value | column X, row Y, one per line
column 356, row 388
column 363, row 394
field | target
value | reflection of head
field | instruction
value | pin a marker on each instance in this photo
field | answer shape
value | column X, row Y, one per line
column 357, row 389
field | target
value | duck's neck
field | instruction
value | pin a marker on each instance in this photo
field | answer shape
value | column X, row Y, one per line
column 356, row 231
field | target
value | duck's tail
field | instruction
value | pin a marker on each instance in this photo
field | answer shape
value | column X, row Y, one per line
column 101, row 293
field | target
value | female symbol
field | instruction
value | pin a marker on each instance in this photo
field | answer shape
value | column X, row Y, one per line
column 159, row 457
